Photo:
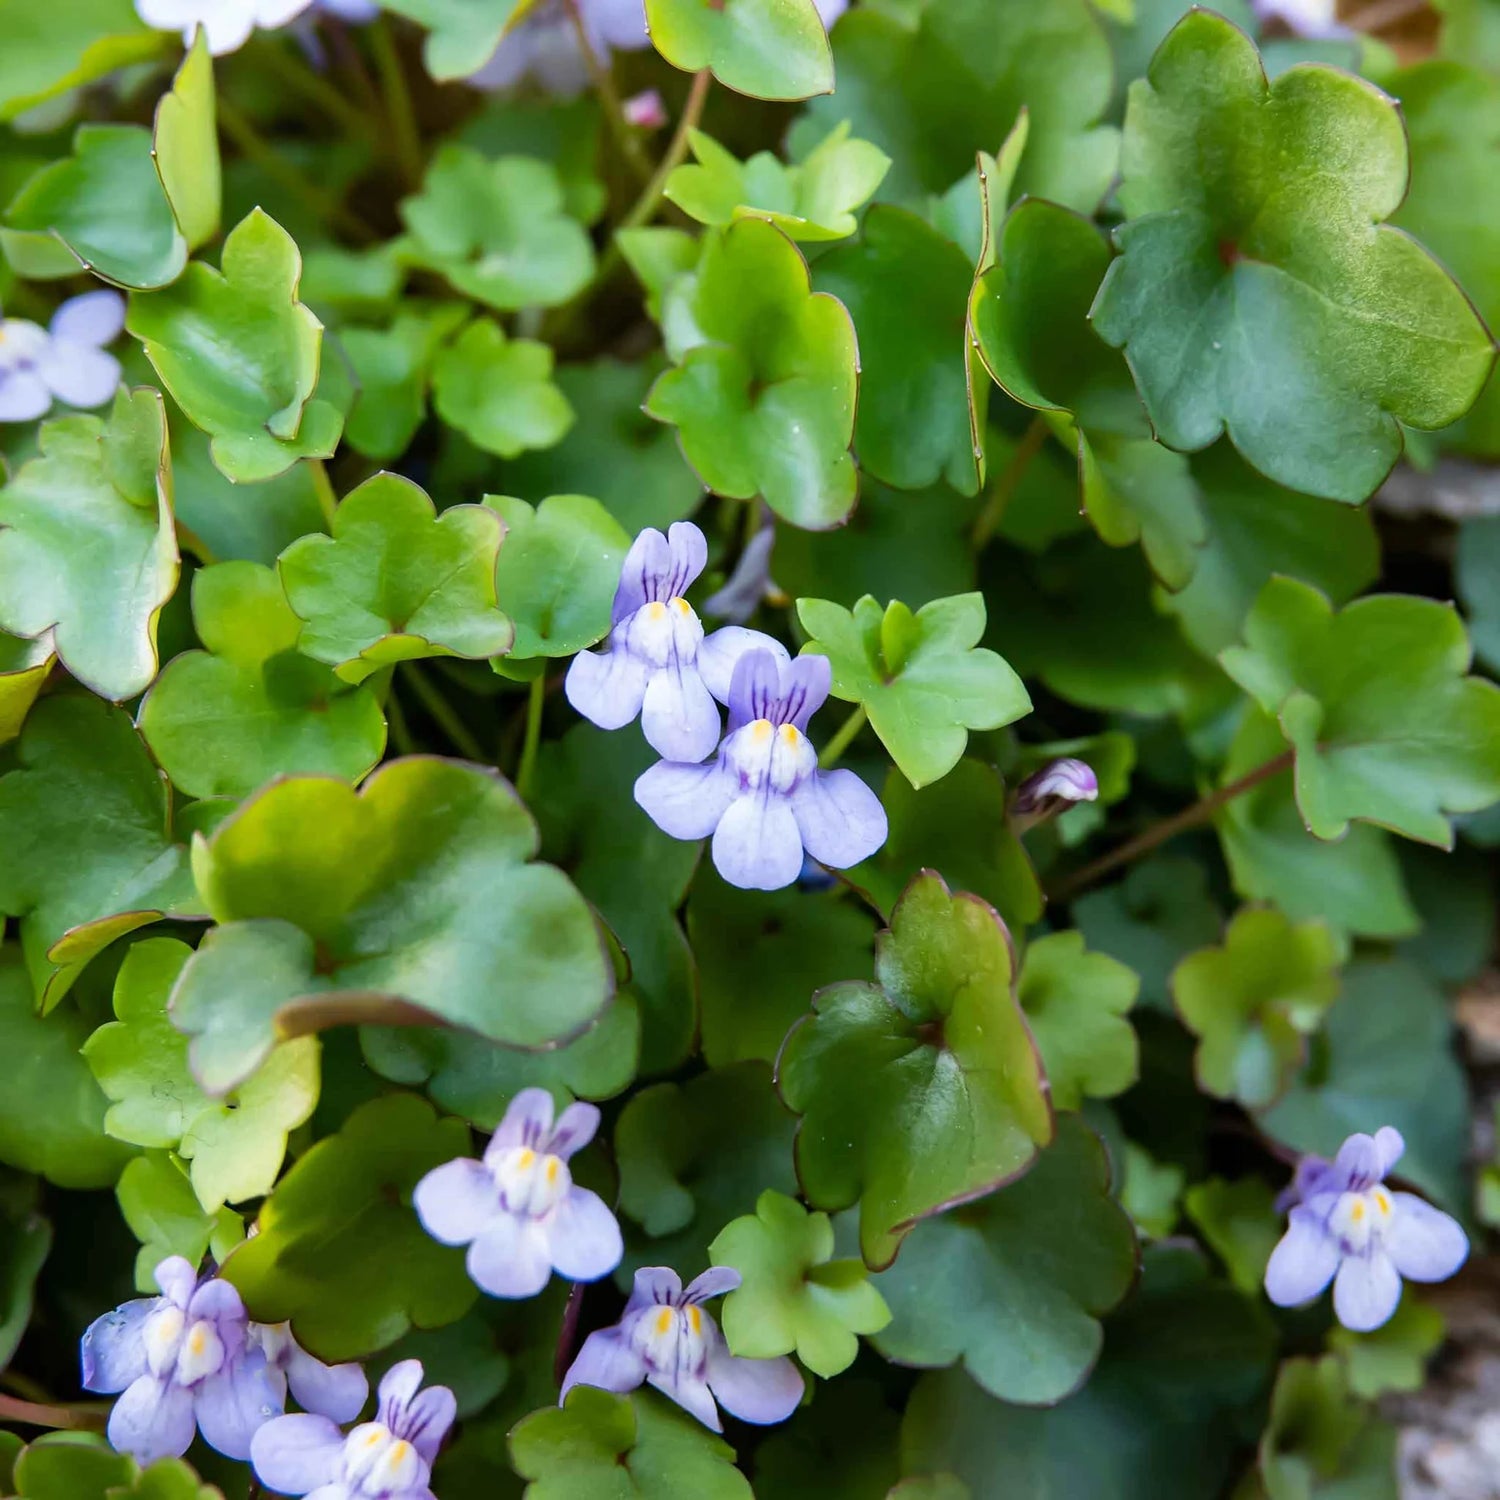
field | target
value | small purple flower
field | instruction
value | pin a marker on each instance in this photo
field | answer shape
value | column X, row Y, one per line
column 1346, row 1227
column 336, row 1391
column 390, row 1458
column 519, row 1210
column 751, row 581
column 645, row 110
column 65, row 361
column 1055, row 788
column 764, row 799
column 1309, row 18
column 667, row 1340
column 545, row 45
column 183, row 1360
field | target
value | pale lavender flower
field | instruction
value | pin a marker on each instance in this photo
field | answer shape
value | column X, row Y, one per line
column 1348, row 1228
column 65, row 361
column 1310, row 18
column 519, row 1210
column 665, row 1339
column 1059, row 785
column 763, row 799
column 390, row 1458
column 226, row 24
column 183, row 1361
column 336, row 1391
column 751, row 581
column 357, row 11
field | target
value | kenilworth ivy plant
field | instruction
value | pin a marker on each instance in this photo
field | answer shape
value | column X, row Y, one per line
column 723, row 768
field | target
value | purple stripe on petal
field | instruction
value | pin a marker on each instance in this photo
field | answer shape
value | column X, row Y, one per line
column 714, row 1282
column 1366, row 1291
column 113, row 1350
column 691, row 1393
column 456, row 1200
column 233, row 1405
column 654, row 1286
column 755, row 688
column 584, row 1237
column 425, row 1420
column 1423, row 1242
column 607, row 688
column 761, row 1391
column 606, row 1361
column 756, row 845
column 678, row 714
column 527, row 1122
column 840, row 819
column 1304, row 1261
column 646, row 567
column 689, row 552
column 575, row 1128
column 294, row 1455
column 1359, row 1165
column 719, row 654
column 152, row 1420
column 804, row 689
column 400, row 1383
column 684, row 801
column 511, row 1258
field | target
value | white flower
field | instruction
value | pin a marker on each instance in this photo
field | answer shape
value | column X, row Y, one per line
column 66, row 361
column 226, row 23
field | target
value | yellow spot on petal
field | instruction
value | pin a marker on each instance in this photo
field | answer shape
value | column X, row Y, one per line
column 551, row 1169
column 695, row 1317
column 791, row 734
column 682, row 607
column 399, row 1449
column 525, row 1159
column 656, row 610
column 1357, row 1210
column 374, row 1436
column 664, row 1320
column 197, row 1340
column 761, row 729
column 1383, row 1200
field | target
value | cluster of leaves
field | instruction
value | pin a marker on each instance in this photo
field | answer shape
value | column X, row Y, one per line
column 1036, row 364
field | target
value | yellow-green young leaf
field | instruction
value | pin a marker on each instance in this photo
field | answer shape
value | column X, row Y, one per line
column 1239, row 1223
column 88, row 550
column 50, row 49
column 394, row 367
column 24, row 666
column 186, row 139
column 1322, row 1440
column 1252, row 294
column 1253, row 1002
column 1394, row 1356
column 241, row 355
column 499, row 392
column 27, row 1240
column 157, row 1201
column 769, row 49
column 462, row 34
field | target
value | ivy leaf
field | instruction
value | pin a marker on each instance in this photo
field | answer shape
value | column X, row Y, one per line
column 393, row 367
column 224, row 721
column 693, row 1156
column 1251, row 294
column 1387, row 1059
column 86, row 824
column 396, row 581
column 599, row 1446
column 499, row 231
column 793, row 1296
column 462, row 34
column 52, row 51
column 557, row 572
column 764, row 397
column 923, row 678
column 51, row 1110
column 87, row 550
column 186, row 141
column 922, row 1090
column 71, row 1466
column 1374, row 700
column 24, row 1246
column 241, row 355
column 1030, row 314
column 1253, row 1002
column 768, row 49
column 499, row 392
column 1150, row 1191
column 157, row 1201
column 1044, row 1257
column 932, row 90
column 1323, row 1442
column 1239, row 1223
column 340, row 1253
column 1394, row 1356
column 417, row 891
column 814, row 199
column 907, row 287
column 1075, row 1003
column 24, row 666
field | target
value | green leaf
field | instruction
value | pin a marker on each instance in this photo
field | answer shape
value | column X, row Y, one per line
column 24, row 1244
column 187, row 146
column 764, row 398
column 906, row 287
column 1253, row 1002
column 814, row 199
column 24, row 666
column 1030, row 315
column 803, row 940
column 769, row 49
column 498, row 230
column 158, row 1203
column 241, row 355
column 1394, row 1357
column 933, row 90
column 1239, row 1223
column 224, row 721
column 1044, row 1258
column 340, row 1253
column 463, row 34
column 1388, row 1060
column 499, row 392
column 924, row 1089
column 1323, row 1442
column 599, row 1446
column 417, row 891
column 1075, row 1004
column 50, row 50
column 922, row 677
column 393, row 367
column 72, row 1466
column 51, row 1110
column 1477, row 576
column 1374, row 700
column 793, row 1297
column 396, row 581
column 88, row 549
column 1251, row 294
column 86, row 824
column 1150, row 1191
column 696, row 1155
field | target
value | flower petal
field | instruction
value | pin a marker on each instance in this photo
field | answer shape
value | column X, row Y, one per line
column 804, row 688
column 398, row 1388
column 94, row 319
column 297, row 1454
column 23, row 396
column 177, row 1278
column 575, row 1128
column 621, row 24
column 685, row 801
column 1366, row 1291
column 527, row 1122
column 341, row 1491
column 1363, row 1160
column 426, row 1419
column 510, row 1259
column 689, row 552
column 840, row 819
column 1303, row 1263
column 653, row 1286
column 113, row 1349
column 754, row 1390
column 220, row 1302
column 607, row 1361
column 338, row 1392
column 584, row 1237
column 692, row 1394
column 719, row 654
column 1423, row 1242
column 646, row 569
column 456, row 1200
column 755, row 688
column 757, row 845
column 714, row 1282
column 234, row 1404
column 78, row 375
column 152, row 1420
column 742, row 593
column 607, row 687
column 678, row 714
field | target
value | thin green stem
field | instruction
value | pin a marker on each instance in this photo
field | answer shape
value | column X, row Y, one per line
column 1007, row 481
column 645, row 207
column 442, row 712
column 833, row 751
column 291, row 69
column 396, row 717
column 527, row 769
column 328, row 502
column 1158, row 833
column 399, row 110
column 86, row 1416
column 609, row 98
